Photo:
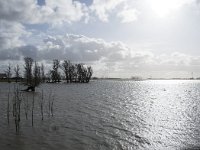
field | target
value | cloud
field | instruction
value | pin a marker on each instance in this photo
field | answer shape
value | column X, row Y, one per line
column 30, row 12
column 198, row 1
column 25, row 26
column 15, row 10
column 111, row 58
column 19, row 53
column 102, row 8
column 66, row 10
column 163, row 8
column 59, row 11
column 10, row 34
column 81, row 48
column 128, row 15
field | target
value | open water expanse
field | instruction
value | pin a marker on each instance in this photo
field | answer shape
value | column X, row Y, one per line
column 106, row 115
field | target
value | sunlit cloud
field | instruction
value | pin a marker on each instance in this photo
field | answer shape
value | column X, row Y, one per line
column 163, row 8
column 103, row 8
column 53, row 11
column 118, row 36
column 10, row 34
column 111, row 57
column 128, row 15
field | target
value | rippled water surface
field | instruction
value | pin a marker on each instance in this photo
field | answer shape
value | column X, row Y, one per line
column 108, row 115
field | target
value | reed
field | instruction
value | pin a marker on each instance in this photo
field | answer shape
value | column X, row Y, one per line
column 26, row 106
column 42, row 105
column 33, row 102
column 17, row 108
column 8, row 106
column 29, row 102
column 51, row 103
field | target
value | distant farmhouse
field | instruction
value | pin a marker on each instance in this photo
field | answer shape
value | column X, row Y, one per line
column 3, row 76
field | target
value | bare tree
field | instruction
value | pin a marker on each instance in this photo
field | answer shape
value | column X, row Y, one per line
column 89, row 73
column 72, row 73
column 55, row 75
column 76, row 72
column 79, row 71
column 32, row 75
column 28, row 70
column 48, row 76
column 42, row 73
column 66, row 67
column 16, row 70
column 8, row 73
column 36, row 75
column 84, row 73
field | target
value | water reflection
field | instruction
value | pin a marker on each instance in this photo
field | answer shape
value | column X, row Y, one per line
column 113, row 115
column 170, row 117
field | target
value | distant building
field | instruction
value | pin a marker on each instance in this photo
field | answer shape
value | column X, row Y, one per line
column 3, row 76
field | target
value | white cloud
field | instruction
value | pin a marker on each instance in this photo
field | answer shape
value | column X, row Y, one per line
column 107, row 58
column 59, row 11
column 128, row 15
column 16, row 15
column 164, row 7
column 54, row 11
column 102, row 8
column 10, row 33
column 113, row 57
column 66, row 10
column 81, row 48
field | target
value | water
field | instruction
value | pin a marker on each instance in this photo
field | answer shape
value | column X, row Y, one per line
column 109, row 115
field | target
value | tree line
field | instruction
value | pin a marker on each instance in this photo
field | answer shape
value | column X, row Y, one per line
column 34, row 73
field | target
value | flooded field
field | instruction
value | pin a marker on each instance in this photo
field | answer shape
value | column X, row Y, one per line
column 105, row 115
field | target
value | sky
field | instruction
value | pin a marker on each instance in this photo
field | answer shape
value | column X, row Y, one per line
column 118, row 38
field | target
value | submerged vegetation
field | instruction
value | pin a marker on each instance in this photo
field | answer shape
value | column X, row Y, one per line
column 23, row 106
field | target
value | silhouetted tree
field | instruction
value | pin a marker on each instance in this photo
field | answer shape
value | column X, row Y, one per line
column 48, row 76
column 76, row 72
column 71, row 73
column 79, row 72
column 66, row 68
column 32, row 75
column 28, row 70
column 8, row 72
column 36, row 75
column 89, row 73
column 16, row 70
column 55, row 75
column 42, row 73
column 84, row 74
